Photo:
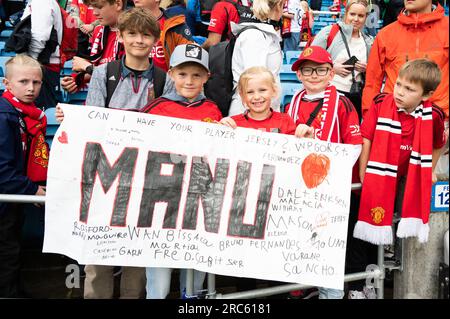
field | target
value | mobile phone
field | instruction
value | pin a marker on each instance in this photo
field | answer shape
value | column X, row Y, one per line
column 351, row 61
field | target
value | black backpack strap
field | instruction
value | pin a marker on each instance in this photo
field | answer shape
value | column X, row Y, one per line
column 159, row 80
column 314, row 113
column 112, row 79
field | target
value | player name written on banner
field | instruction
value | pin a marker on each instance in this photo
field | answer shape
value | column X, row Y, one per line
column 141, row 190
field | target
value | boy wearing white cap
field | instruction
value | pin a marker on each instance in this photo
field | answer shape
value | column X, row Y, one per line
column 189, row 71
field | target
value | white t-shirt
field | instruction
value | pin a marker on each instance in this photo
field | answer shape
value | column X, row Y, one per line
column 358, row 49
column 295, row 8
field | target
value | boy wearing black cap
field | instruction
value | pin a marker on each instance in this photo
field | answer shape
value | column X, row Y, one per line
column 189, row 71
column 321, row 112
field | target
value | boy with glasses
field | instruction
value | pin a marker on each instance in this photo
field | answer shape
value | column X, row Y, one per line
column 321, row 112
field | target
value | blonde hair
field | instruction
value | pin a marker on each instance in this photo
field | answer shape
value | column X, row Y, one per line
column 138, row 20
column 352, row 2
column 424, row 72
column 259, row 72
column 262, row 8
column 21, row 60
column 305, row 6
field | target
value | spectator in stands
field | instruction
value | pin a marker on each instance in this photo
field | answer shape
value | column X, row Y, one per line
column 176, row 7
column 137, row 84
column 22, row 132
column 83, row 14
column 321, row 112
column 194, row 20
column 398, row 171
column 307, row 24
column 392, row 9
column 421, row 31
column 222, row 14
column 258, row 47
column 292, row 22
column 105, row 44
column 45, row 16
column 350, row 32
column 189, row 72
column 174, row 31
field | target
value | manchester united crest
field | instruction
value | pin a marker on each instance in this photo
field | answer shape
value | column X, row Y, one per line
column 377, row 214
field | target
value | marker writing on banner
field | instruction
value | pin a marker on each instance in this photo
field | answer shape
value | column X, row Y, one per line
column 159, row 187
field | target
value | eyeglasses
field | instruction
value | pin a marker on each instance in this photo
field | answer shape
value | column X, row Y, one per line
column 320, row 71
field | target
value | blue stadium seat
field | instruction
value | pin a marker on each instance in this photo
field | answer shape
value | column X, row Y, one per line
column 67, row 69
column 287, row 75
column 5, row 34
column 292, row 56
column 3, row 60
column 287, row 92
column 77, row 98
column 52, row 124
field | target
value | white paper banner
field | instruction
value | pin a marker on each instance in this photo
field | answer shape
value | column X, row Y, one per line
column 132, row 189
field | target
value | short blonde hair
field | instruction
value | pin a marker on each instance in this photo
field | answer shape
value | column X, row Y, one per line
column 424, row 72
column 259, row 72
column 262, row 8
column 21, row 60
column 305, row 6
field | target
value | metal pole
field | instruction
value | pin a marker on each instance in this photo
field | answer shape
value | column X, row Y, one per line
column 286, row 288
column 189, row 283
column 380, row 278
column 211, row 286
column 27, row 199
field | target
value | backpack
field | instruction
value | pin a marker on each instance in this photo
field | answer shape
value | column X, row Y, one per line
column 113, row 77
column 219, row 87
column 20, row 39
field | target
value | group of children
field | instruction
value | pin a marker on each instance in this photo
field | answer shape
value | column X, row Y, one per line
column 405, row 130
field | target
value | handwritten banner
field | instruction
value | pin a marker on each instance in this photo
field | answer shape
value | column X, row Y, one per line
column 133, row 189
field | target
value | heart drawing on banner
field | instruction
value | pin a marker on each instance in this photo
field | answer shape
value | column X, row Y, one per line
column 315, row 168
column 63, row 138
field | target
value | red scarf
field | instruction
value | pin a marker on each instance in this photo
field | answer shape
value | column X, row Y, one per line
column 380, row 182
column 99, row 44
column 329, row 112
column 305, row 34
column 32, row 128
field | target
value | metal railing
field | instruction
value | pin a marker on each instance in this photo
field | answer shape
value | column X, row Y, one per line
column 377, row 274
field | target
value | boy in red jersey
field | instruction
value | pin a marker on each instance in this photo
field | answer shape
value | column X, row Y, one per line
column 321, row 112
column 106, row 46
column 189, row 72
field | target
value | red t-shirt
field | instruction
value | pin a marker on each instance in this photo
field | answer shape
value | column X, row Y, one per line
column 157, row 53
column 220, row 20
column 407, row 123
column 346, row 130
column 277, row 123
column 203, row 110
column 111, row 47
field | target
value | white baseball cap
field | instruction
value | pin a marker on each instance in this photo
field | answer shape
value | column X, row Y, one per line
column 189, row 53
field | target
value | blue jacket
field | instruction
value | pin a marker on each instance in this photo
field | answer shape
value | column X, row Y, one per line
column 12, row 162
